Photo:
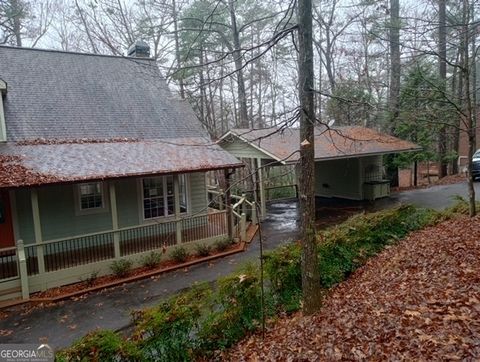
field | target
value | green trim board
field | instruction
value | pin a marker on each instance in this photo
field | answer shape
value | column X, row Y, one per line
column 241, row 148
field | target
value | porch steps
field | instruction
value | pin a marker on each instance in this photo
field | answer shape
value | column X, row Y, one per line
column 251, row 232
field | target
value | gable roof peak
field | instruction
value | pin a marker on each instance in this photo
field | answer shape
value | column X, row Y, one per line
column 69, row 52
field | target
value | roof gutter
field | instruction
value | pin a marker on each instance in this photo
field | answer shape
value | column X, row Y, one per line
column 320, row 159
column 74, row 180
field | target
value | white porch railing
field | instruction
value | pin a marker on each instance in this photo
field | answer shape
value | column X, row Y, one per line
column 241, row 210
column 70, row 252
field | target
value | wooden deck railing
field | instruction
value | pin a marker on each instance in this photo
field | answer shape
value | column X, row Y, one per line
column 241, row 207
column 8, row 260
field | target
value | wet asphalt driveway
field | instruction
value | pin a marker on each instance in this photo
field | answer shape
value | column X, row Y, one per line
column 61, row 324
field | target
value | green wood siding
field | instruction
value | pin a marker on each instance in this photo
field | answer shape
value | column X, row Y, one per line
column 198, row 192
column 58, row 215
column 60, row 219
column 339, row 178
column 127, row 202
column 24, row 216
column 371, row 168
column 241, row 149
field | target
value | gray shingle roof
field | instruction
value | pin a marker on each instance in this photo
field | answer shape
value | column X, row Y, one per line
column 334, row 143
column 64, row 95
column 28, row 165
column 57, row 100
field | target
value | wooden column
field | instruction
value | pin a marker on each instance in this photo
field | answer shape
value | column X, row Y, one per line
column 22, row 270
column 176, row 196
column 37, row 228
column 114, row 212
column 261, row 189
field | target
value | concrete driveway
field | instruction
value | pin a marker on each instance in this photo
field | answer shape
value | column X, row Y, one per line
column 61, row 324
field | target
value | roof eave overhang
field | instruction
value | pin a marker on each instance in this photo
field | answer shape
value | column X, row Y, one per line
column 320, row 159
column 75, row 180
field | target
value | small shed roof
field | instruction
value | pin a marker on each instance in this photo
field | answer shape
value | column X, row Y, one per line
column 340, row 142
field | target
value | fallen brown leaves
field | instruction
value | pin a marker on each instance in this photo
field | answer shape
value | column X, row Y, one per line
column 14, row 173
column 44, row 141
column 419, row 300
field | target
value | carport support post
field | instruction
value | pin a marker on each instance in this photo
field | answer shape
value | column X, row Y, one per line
column 220, row 199
column 113, row 207
column 261, row 188
column 176, row 196
column 228, row 204
column 22, row 269
column 37, row 229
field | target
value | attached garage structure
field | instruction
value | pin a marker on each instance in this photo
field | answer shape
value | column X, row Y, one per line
column 348, row 160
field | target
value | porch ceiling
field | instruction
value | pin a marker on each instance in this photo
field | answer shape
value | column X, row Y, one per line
column 333, row 143
column 45, row 162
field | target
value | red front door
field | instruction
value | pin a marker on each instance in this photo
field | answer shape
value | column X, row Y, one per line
column 6, row 226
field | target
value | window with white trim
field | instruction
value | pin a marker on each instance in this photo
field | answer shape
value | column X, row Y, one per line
column 159, row 196
column 90, row 196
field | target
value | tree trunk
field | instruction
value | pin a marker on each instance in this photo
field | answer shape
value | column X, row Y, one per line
column 394, row 93
column 228, row 203
column 260, row 122
column 203, row 100
column 242, row 97
column 223, row 127
column 18, row 13
column 457, row 91
column 86, row 27
column 442, row 70
column 177, row 48
column 469, row 117
column 306, row 169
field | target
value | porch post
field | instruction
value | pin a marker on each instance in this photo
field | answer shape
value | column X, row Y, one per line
column 220, row 199
column 263, row 204
column 228, row 204
column 176, row 196
column 113, row 207
column 22, row 269
column 37, row 228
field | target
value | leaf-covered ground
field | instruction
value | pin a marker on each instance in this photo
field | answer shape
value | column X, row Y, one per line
column 418, row 300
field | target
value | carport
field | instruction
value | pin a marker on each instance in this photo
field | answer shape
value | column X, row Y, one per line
column 348, row 160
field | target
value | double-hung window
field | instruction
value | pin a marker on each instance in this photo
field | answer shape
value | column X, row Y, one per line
column 90, row 197
column 159, row 196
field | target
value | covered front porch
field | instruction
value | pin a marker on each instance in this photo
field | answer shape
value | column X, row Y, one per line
column 55, row 241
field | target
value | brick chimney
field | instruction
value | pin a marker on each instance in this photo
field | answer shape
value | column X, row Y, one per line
column 139, row 49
